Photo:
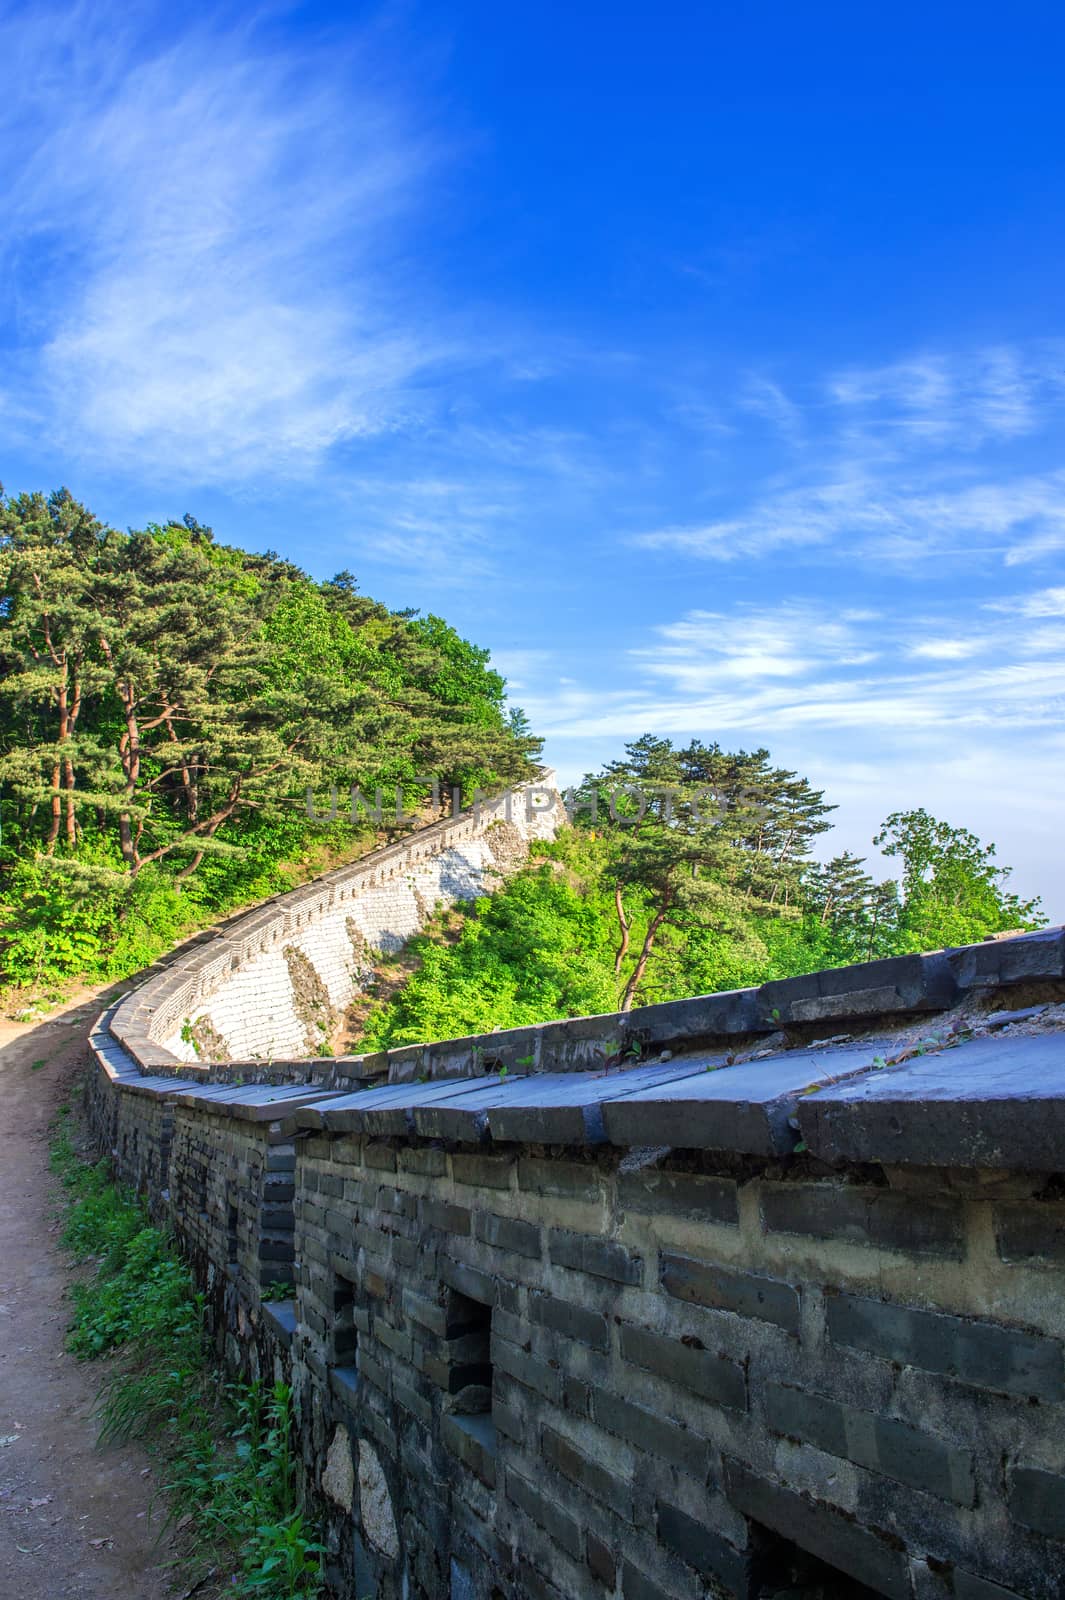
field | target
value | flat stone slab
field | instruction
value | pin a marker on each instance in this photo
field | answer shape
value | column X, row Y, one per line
column 566, row 1107
column 995, row 1102
column 385, row 1112
column 255, row 1102
column 543, row 1108
column 147, row 1083
column 743, row 1108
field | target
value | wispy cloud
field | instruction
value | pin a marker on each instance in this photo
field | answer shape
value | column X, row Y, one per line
column 888, row 475
column 205, row 234
column 963, row 400
column 807, row 666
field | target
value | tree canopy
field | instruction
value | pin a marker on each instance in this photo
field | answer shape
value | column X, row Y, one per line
column 166, row 702
column 688, row 871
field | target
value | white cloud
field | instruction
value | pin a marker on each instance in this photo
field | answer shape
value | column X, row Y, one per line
column 935, row 399
column 946, row 649
column 209, row 229
column 881, row 517
column 772, row 670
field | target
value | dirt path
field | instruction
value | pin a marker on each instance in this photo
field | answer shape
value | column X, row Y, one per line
column 74, row 1520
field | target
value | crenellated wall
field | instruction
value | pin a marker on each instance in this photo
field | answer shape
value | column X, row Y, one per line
column 751, row 1295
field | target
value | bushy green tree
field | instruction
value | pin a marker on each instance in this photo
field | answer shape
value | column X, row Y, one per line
column 953, row 890
column 166, row 702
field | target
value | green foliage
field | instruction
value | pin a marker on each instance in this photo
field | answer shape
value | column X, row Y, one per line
column 954, row 891
column 536, row 949
column 713, row 887
column 167, row 702
column 226, row 1450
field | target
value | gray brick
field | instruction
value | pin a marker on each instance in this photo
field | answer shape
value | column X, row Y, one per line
column 508, row 1422
column 448, row 1218
column 482, row 1172
column 928, row 1225
column 413, row 1402
column 979, row 1353
column 396, row 1201
column 427, row 1160
column 507, row 1233
column 427, row 1313
column 655, row 1435
column 882, row 1444
column 1037, row 1499
column 381, row 1156
column 689, row 1194
column 821, row 1530
column 587, row 1327
column 576, row 1396
column 705, row 1283
column 372, row 1370
column 706, row 1551
column 587, row 1474
column 556, row 1522
column 392, row 1338
column 568, row 1180
column 599, row 1257
column 525, row 1369
column 1032, row 1234
column 710, row 1376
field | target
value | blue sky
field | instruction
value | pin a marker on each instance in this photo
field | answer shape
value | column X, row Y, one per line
column 705, row 362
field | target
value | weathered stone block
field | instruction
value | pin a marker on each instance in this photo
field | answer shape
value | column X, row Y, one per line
column 655, row 1435
column 705, row 1283
column 1032, row 1234
column 599, row 1257
column 508, row 1233
column 710, row 1376
column 980, row 1353
column 587, row 1474
column 563, row 1528
column 573, row 1322
column 893, row 1221
column 686, row 1194
column 882, row 1444
column 448, row 1218
column 703, row 1549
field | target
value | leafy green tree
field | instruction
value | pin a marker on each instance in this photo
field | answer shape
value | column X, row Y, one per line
column 48, row 550
column 166, row 702
column 953, row 890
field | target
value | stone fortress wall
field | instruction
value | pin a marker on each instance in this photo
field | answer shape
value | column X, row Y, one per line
column 753, row 1293
column 274, row 983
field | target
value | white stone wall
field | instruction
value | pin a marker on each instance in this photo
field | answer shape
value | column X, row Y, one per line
column 249, row 1002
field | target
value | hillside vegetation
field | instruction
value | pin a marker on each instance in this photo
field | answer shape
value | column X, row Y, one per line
column 688, row 871
column 165, row 703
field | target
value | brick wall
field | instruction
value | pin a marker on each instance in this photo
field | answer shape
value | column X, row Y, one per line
column 787, row 1324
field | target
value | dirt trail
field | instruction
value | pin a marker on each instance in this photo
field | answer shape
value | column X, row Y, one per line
column 74, row 1519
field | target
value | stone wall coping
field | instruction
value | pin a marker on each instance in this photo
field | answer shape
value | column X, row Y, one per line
column 993, row 1102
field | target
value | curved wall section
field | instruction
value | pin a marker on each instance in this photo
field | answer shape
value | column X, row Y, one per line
column 274, row 984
